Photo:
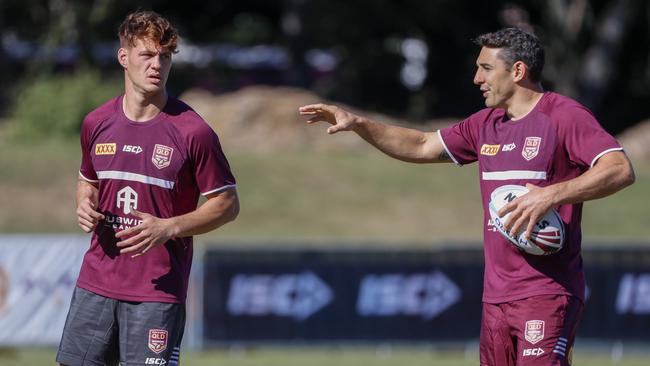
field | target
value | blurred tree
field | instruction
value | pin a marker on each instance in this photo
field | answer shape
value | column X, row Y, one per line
column 597, row 50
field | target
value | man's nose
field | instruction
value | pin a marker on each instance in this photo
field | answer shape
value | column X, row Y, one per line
column 478, row 78
column 156, row 62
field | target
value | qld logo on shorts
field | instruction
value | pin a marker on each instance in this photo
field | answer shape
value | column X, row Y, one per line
column 162, row 156
column 531, row 147
column 157, row 340
column 534, row 331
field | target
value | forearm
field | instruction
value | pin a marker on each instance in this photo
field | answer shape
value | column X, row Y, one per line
column 215, row 212
column 86, row 190
column 401, row 143
column 611, row 173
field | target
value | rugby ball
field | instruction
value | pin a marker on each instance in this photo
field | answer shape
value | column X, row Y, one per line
column 548, row 233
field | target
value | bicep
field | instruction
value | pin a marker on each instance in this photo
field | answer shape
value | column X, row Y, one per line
column 83, row 184
column 614, row 164
column 224, row 200
column 433, row 151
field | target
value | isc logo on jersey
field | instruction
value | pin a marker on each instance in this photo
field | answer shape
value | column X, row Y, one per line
column 509, row 147
column 135, row 149
column 490, row 150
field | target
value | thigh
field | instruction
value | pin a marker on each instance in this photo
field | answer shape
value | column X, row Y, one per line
column 150, row 333
column 496, row 345
column 545, row 327
column 90, row 332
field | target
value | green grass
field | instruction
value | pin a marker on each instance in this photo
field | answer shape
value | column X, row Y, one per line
column 313, row 196
column 322, row 356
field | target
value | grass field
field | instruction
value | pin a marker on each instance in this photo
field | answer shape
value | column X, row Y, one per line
column 323, row 356
column 312, row 196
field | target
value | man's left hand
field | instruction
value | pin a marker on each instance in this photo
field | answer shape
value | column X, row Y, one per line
column 139, row 239
column 526, row 210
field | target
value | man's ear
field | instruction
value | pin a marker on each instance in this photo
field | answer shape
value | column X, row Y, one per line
column 519, row 71
column 122, row 57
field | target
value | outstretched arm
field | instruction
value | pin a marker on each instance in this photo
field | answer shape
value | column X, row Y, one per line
column 398, row 142
column 611, row 173
column 220, row 208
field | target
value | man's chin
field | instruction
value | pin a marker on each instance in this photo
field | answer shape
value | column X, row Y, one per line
column 153, row 88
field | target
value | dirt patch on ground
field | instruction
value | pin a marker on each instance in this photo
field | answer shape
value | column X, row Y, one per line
column 266, row 119
column 262, row 118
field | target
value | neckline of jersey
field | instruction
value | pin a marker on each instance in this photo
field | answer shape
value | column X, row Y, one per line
column 508, row 121
column 157, row 118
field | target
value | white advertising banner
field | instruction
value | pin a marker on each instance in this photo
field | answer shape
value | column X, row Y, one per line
column 37, row 276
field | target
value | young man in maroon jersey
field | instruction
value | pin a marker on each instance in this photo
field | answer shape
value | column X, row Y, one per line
column 146, row 158
column 526, row 136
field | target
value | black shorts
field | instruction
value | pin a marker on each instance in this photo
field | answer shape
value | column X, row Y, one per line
column 105, row 331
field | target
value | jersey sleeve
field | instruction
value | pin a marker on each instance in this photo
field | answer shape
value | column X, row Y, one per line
column 86, row 170
column 584, row 139
column 461, row 140
column 211, row 169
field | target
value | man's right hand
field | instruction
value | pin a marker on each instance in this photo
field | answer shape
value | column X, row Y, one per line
column 87, row 216
column 340, row 119
column 87, row 201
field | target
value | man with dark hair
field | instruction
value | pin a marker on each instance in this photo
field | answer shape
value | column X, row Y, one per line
column 528, row 137
column 146, row 158
column 516, row 45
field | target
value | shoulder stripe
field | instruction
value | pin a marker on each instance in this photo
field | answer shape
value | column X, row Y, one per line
column 514, row 174
column 86, row 179
column 133, row 177
column 603, row 153
column 447, row 150
column 223, row 188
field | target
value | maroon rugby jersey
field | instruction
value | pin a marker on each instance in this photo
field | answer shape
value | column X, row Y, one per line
column 557, row 141
column 159, row 167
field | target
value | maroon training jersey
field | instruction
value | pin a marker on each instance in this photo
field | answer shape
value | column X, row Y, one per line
column 557, row 141
column 158, row 167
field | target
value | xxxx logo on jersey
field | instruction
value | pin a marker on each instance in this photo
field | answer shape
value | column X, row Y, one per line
column 490, row 150
column 105, row 149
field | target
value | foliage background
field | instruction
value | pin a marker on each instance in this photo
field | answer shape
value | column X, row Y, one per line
column 597, row 50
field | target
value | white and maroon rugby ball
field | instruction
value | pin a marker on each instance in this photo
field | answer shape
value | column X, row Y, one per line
column 548, row 233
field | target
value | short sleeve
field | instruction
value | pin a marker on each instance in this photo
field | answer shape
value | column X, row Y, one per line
column 460, row 140
column 86, row 170
column 584, row 139
column 211, row 169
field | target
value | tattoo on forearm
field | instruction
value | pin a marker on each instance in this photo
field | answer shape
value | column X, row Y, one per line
column 444, row 156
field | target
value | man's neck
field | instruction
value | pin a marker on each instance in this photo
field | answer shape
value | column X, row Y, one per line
column 523, row 101
column 140, row 107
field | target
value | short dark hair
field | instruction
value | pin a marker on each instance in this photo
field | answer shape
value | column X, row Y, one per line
column 148, row 24
column 516, row 45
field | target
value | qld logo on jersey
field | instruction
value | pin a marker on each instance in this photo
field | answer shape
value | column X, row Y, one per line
column 157, row 340
column 162, row 156
column 534, row 331
column 531, row 147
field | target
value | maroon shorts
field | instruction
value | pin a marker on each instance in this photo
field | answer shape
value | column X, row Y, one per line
column 538, row 330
